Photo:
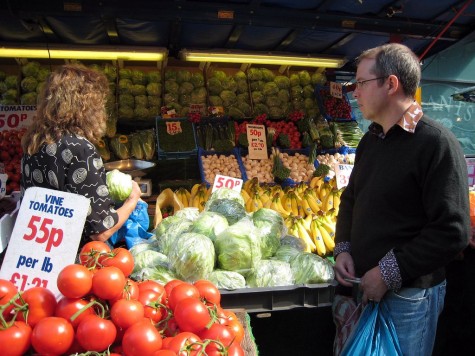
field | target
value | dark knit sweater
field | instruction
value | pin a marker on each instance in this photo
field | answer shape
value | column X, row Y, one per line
column 406, row 201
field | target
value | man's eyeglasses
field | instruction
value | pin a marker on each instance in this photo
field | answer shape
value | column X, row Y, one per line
column 360, row 83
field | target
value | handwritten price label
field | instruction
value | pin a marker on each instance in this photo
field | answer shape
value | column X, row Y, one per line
column 336, row 90
column 256, row 136
column 173, row 127
column 15, row 116
column 342, row 173
column 45, row 238
column 221, row 181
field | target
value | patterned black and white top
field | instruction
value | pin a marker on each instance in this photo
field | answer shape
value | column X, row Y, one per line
column 73, row 165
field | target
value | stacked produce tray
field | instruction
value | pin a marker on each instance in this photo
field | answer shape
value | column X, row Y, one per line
column 332, row 108
column 256, row 300
column 235, row 152
column 180, row 145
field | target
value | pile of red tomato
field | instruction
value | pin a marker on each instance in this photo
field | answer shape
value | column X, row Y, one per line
column 10, row 155
column 104, row 312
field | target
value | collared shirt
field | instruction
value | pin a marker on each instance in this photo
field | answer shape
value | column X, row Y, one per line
column 390, row 272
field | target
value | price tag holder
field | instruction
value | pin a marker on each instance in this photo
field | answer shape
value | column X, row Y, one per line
column 256, row 136
column 45, row 238
column 13, row 117
column 173, row 127
column 336, row 90
column 221, row 181
column 342, row 173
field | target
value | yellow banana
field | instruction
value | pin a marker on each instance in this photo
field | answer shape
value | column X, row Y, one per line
column 276, row 205
column 327, row 239
column 304, row 235
column 182, row 196
column 327, row 202
column 245, row 195
column 202, row 199
column 265, row 196
column 249, row 184
column 316, row 182
column 327, row 225
column 306, row 209
column 317, row 238
column 324, row 190
column 313, row 201
column 195, row 188
column 336, row 198
column 294, row 203
column 307, row 220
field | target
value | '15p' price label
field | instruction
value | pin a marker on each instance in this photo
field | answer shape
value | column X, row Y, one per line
column 173, row 127
column 221, row 181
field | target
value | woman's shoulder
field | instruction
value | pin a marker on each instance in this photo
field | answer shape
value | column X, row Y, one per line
column 76, row 143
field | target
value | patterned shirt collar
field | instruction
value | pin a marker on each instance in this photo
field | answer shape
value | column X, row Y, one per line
column 407, row 122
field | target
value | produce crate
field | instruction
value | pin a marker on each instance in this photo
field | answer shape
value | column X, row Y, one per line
column 324, row 99
column 248, row 343
column 235, row 152
column 176, row 138
column 221, row 131
column 256, row 300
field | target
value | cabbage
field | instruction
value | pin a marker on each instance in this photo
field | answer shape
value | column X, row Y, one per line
column 154, row 89
column 225, row 193
column 270, row 273
column 119, row 185
column 232, row 210
column 310, row 268
column 189, row 213
column 270, row 226
column 30, row 69
column 149, row 258
column 192, row 257
column 286, row 253
column 227, row 279
column 162, row 227
column 295, row 242
column 154, row 76
column 210, row 224
column 157, row 273
column 197, row 80
column 238, row 247
column 29, row 84
column 172, row 233
column 138, row 77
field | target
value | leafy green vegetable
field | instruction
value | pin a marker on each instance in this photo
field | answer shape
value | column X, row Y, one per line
column 189, row 213
column 192, row 257
column 156, row 273
column 310, row 268
column 28, row 84
column 295, row 242
column 286, row 253
column 149, row 258
column 119, row 185
column 270, row 273
column 172, row 233
column 30, row 69
column 229, row 280
column 210, row 224
column 226, row 193
column 270, row 225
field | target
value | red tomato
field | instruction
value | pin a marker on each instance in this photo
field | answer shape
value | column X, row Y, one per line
column 108, row 282
column 125, row 313
column 121, row 258
column 181, row 291
column 7, row 292
column 172, row 284
column 185, row 343
column 130, row 291
column 151, row 301
column 217, row 332
column 74, row 281
column 169, row 327
column 235, row 350
column 192, row 315
column 91, row 253
column 16, row 339
column 67, row 307
column 157, row 287
column 208, row 292
column 164, row 353
column 141, row 339
column 41, row 304
column 95, row 333
column 231, row 320
column 52, row 336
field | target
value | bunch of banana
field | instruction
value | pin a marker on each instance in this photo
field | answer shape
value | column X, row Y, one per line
column 199, row 196
column 311, row 203
column 296, row 227
column 276, row 204
column 254, row 203
column 183, row 196
column 291, row 203
column 323, row 233
column 332, row 200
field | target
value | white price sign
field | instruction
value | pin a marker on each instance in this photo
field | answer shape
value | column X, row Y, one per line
column 221, row 181
column 336, row 90
column 256, row 136
column 16, row 116
column 342, row 173
column 45, row 238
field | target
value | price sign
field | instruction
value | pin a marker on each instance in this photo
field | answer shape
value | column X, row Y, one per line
column 221, row 181
column 45, row 238
column 256, row 136
column 336, row 90
column 197, row 109
column 15, row 116
column 173, row 127
column 342, row 173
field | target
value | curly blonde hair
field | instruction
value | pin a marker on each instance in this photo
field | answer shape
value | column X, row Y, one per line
column 72, row 102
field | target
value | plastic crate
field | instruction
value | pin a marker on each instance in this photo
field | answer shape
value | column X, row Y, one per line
column 256, row 300
column 187, row 136
column 235, row 152
column 220, row 123
column 343, row 101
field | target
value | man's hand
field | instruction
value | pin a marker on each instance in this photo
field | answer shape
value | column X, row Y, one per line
column 373, row 286
column 344, row 268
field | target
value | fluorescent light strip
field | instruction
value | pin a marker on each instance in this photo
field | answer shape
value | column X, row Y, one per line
column 327, row 62
column 81, row 54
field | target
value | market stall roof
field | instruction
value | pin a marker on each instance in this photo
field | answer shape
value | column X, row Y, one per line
column 329, row 27
column 467, row 95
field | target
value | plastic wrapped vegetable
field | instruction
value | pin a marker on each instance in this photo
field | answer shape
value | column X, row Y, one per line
column 238, row 247
column 311, row 268
column 210, row 224
column 155, row 273
column 230, row 209
column 270, row 273
column 270, row 226
column 192, row 257
column 229, row 280
column 119, row 185
column 119, row 145
column 171, row 235
column 286, row 253
column 149, row 258
column 226, row 193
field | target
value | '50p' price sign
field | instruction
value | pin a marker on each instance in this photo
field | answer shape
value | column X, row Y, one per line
column 342, row 173
column 45, row 238
column 221, row 181
column 256, row 136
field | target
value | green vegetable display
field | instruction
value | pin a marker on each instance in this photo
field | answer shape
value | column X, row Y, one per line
column 270, row 273
column 210, row 224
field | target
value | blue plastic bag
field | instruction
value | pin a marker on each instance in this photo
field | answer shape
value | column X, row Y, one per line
column 134, row 230
column 375, row 334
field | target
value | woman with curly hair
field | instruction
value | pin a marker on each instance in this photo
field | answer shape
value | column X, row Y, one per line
column 59, row 151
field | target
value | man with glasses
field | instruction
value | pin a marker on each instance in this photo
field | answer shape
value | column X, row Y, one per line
column 405, row 213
